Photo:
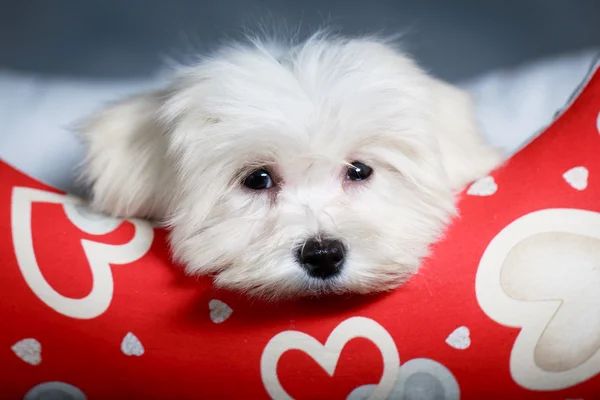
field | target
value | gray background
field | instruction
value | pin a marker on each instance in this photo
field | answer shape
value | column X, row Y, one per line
column 455, row 39
column 88, row 51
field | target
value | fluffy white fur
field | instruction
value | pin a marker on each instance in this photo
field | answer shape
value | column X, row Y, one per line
column 305, row 111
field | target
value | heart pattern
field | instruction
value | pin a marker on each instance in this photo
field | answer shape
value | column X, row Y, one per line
column 100, row 256
column 219, row 311
column 459, row 338
column 577, row 177
column 28, row 350
column 327, row 355
column 483, row 187
column 131, row 345
column 522, row 282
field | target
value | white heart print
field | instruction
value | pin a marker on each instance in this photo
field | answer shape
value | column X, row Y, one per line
column 327, row 355
column 460, row 338
column 540, row 274
column 577, row 177
column 100, row 256
column 483, row 187
column 28, row 350
column 131, row 345
column 219, row 311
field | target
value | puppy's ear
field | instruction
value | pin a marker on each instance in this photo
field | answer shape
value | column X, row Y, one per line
column 466, row 156
column 126, row 168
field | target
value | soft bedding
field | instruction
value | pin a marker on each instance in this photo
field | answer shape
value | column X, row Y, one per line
column 507, row 307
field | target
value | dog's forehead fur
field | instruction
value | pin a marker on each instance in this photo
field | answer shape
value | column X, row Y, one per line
column 299, row 106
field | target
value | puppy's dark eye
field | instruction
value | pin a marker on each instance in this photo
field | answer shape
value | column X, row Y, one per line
column 258, row 180
column 358, row 171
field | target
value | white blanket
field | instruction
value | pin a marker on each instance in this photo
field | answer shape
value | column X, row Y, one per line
column 36, row 112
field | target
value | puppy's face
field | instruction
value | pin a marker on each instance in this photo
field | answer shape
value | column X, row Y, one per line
column 290, row 171
column 311, row 172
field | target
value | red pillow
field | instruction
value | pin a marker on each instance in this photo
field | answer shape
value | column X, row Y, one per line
column 507, row 308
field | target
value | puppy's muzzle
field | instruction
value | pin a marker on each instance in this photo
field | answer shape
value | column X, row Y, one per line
column 322, row 258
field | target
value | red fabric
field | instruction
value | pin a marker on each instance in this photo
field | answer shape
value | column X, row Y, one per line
column 187, row 355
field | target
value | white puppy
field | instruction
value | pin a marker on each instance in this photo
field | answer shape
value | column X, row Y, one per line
column 283, row 170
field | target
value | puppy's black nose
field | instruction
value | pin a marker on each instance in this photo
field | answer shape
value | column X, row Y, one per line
column 322, row 258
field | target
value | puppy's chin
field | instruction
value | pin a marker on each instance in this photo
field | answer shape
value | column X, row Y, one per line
column 288, row 279
column 300, row 284
column 250, row 154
